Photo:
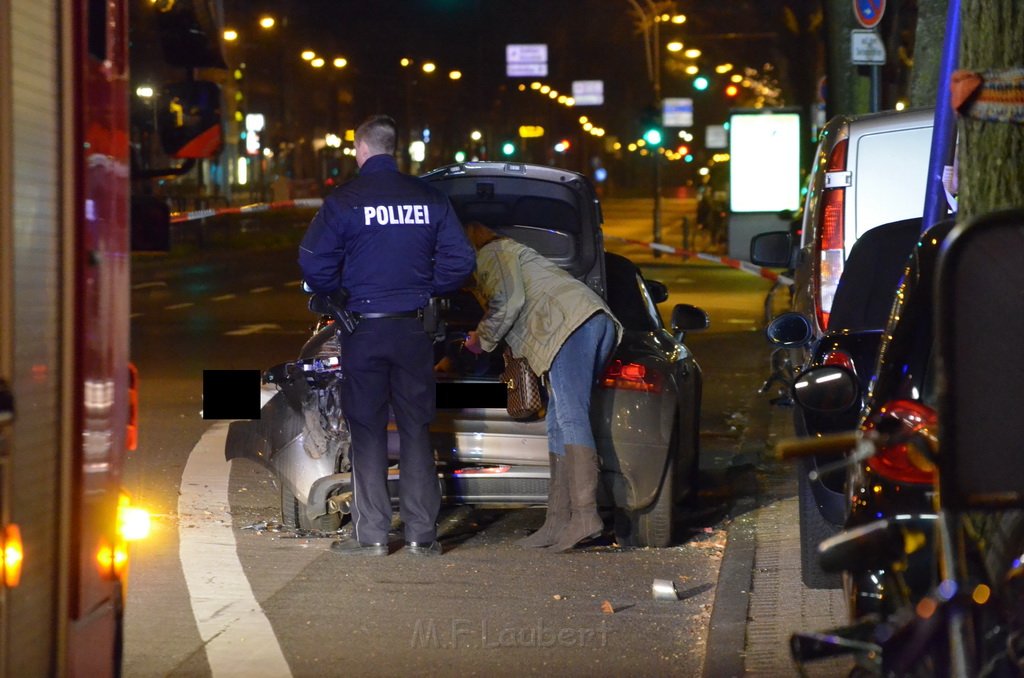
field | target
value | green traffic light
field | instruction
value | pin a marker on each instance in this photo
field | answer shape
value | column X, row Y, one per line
column 700, row 83
column 653, row 136
column 508, row 148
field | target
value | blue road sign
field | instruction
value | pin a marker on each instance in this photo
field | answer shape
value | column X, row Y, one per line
column 869, row 12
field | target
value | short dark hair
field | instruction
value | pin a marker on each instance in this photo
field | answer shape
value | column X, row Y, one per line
column 380, row 133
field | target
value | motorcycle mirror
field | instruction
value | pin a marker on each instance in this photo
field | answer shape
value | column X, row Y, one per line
column 790, row 329
column 826, row 388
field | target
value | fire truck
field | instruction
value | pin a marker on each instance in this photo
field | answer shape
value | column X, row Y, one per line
column 68, row 401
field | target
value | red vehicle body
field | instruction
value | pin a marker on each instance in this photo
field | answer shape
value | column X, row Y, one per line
column 64, row 352
column 67, row 389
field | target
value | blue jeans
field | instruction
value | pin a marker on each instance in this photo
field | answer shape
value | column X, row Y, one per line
column 578, row 364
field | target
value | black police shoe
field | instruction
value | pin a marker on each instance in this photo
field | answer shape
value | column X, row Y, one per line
column 355, row 547
column 417, row 548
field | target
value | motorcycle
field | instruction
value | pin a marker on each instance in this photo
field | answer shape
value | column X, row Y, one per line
column 969, row 620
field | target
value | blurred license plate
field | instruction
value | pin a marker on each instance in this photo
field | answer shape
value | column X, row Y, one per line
column 471, row 395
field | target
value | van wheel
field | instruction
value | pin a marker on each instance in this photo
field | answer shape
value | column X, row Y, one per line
column 652, row 526
column 293, row 515
column 813, row 530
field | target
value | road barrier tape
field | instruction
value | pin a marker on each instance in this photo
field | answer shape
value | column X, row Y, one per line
column 745, row 266
column 180, row 217
column 774, row 276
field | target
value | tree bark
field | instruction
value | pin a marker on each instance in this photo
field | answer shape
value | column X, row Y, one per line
column 990, row 153
column 848, row 89
column 928, row 40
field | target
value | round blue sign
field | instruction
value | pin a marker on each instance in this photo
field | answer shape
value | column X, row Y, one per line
column 869, row 12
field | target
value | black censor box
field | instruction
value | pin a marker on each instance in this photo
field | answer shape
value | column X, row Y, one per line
column 231, row 394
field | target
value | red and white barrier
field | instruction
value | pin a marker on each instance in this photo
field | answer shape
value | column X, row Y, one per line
column 767, row 273
column 746, row 266
column 180, row 217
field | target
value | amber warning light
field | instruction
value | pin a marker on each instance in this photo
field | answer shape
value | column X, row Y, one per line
column 13, row 554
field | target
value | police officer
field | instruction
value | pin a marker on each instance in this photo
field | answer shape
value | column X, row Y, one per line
column 391, row 241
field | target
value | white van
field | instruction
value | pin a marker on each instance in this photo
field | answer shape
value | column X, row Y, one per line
column 868, row 170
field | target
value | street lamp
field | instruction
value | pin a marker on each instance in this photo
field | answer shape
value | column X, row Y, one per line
column 651, row 16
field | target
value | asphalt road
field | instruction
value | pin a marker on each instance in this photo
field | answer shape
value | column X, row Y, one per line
column 214, row 592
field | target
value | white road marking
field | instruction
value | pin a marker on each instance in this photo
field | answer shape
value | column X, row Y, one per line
column 224, row 297
column 238, row 638
column 259, row 290
column 133, row 316
column 175, row 307
column 142, row 286
column 252, row 329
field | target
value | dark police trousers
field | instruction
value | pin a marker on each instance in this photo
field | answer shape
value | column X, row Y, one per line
column 391, row 360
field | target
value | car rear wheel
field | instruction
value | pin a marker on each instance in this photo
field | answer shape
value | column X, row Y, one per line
column 293, row 515
column 652, row 526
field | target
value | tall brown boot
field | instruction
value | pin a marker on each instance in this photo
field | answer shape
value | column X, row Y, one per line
column 557, row 515
column 584, row 521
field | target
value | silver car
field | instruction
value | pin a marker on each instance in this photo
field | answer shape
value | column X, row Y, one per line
column 645, row 409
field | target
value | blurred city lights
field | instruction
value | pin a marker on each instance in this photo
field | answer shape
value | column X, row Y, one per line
column 340, row 62
column 317, row 62
column 417, row 151
column 230, row 35
column 455, row 75
column 308, row 55
column 429, row 67
column 267, row 22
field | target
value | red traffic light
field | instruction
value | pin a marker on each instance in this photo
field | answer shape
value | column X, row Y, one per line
column 683, row 149
column 732, row 90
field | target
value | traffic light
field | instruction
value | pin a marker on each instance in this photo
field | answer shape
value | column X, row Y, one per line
column 508, row 149
column 651, row 126
column 652, row 135
column 732, row 90
column 700, row 83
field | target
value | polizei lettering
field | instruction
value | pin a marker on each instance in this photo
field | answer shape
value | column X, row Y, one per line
column 389, row 215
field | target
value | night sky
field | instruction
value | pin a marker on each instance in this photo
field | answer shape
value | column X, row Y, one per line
column 587, row 40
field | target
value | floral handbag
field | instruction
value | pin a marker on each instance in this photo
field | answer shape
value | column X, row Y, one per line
column 525, row 395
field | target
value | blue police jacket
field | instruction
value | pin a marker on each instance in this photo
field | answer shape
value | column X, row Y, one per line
column 391, row 239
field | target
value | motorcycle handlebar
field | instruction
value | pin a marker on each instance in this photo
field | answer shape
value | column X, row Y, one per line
column 830, row 443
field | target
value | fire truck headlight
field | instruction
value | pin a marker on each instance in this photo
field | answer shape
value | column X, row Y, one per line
column 132, row 521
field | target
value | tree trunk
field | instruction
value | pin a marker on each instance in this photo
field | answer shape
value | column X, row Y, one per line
column 991, row 153
column 849, row 90
column 928, row 41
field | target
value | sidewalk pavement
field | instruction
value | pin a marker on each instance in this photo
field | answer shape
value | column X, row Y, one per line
column 760, row 598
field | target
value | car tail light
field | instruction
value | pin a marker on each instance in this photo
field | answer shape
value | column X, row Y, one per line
column 897, row 458
column 841, row 359
column 631, row 377
column 831, row 236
